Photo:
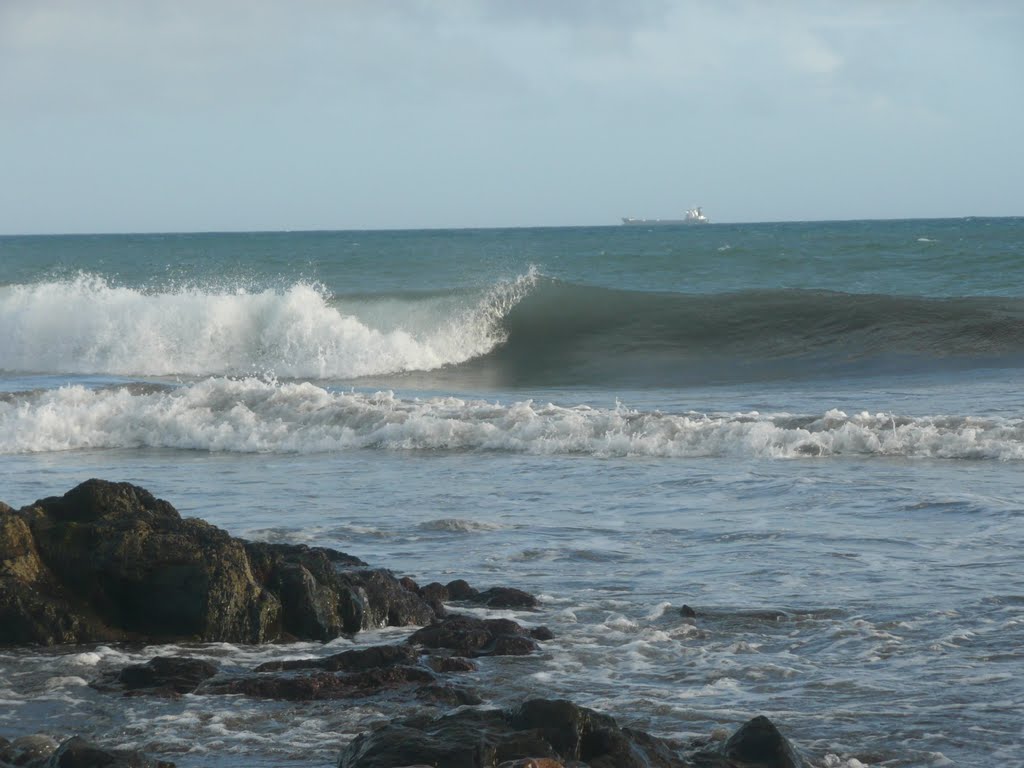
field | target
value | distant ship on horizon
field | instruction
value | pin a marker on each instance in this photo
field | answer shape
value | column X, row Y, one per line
column 692, row 216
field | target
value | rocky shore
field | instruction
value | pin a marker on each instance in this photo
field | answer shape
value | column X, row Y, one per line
column 108, row 562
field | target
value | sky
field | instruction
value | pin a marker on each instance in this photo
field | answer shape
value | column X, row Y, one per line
column 226, row 115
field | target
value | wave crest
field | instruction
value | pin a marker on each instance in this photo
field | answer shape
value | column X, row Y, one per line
column 88, row 326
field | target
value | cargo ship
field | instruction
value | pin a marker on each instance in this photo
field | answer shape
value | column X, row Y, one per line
column 692, row 216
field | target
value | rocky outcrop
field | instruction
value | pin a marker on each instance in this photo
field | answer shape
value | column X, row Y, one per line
column 108, row 561
column 554, row 730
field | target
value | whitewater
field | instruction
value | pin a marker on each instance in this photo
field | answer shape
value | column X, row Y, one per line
column 812, row 433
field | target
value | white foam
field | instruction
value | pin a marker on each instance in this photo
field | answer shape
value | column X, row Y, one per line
column 88, row 326
column 254, row 415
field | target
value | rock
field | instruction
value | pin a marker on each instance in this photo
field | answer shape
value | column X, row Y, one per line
column 121, row 564
column 447, row 695
column 459, row 589
column 451, row 664
column 759, row 743
column 470, row 636
column 495, row 597
column 755, row 744
column 166, row 675
column 28, row 750
column 76, row 752
column 319, row 685
column 550, row 733
column 688, row 612
column 349, row 661
column 110, row 562
column 506, row 597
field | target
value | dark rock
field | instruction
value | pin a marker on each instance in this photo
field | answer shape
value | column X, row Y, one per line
column 506, row 597
column 349, row 661
column 319, row 685
column 447, row 695
column 470, row 636
column 377, row 599
column 460, row 590
column 33, row 750
column 759, row 743
column 688, row 612
column 541, row 633
column 165, row 674
column 76, row 752
column 116, row 563
column 538, row 730
column 451, row 664
column 108, row 562
column 436, row 595
column 495, row 597
column 755, row 744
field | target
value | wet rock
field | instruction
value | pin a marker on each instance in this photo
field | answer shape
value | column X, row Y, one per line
column 319, row 685
column 506, row 597
column 451, row 664
column 379, row 600
column 448, row 695
column 688, row 612
column 117, row 563
column 349, row 661
column 755, row 744
column 460, row 590
column 30, row 750
column 108, row 562
column 559, row 733
column 162, row 675
column 472, row 637
column 76, row 752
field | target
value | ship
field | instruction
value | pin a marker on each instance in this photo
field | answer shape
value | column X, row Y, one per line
column 692, row 216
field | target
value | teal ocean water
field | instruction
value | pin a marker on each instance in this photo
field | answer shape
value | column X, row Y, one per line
column 811, row 433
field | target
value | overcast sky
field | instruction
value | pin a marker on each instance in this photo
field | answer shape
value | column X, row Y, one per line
column 314, row 114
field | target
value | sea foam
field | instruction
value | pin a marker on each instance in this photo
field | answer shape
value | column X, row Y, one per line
column 255, row 415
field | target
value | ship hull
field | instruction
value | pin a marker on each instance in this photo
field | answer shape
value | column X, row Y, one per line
column 661, row 222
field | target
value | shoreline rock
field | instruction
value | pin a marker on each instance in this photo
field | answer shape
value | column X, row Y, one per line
column 109, row 562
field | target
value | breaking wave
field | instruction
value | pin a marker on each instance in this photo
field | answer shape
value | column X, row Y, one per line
column 253, row 415
column 88, row 326
column 529, row 331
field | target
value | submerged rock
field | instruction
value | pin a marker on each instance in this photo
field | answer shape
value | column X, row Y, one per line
column 108, row 561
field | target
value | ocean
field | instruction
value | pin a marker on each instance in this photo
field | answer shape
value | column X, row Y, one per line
column 810, row 433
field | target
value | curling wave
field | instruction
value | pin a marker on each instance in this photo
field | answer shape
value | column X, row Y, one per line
column 253, row 415
column 532, row 331
column 88, row 326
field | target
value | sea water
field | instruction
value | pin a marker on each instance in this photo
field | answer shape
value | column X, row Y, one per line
column 810, row 433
